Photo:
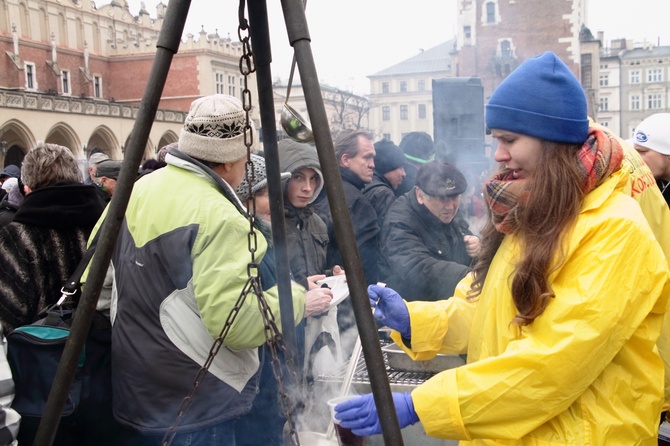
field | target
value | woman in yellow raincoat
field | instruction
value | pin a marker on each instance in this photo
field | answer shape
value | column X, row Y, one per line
column 566, row 301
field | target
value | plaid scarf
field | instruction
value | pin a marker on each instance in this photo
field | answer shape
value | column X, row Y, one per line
column 599, row 157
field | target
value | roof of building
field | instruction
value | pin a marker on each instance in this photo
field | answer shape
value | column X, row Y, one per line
column 430, row 60
column 639, row 53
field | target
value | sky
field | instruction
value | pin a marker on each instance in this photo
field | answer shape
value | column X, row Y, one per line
column 352, row 39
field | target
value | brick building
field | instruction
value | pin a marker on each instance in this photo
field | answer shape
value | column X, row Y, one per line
column 495, row 36
column 74, row 74
column 624, row 81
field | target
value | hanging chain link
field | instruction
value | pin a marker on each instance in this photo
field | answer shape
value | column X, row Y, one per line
column 253, row 285
column 273, row 336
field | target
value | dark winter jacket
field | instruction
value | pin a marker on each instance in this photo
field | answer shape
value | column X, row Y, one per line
column 364, row 222
column 307, row 242
column 42, row 246
column 422, row 258
column 9, row 205
column 381, row 195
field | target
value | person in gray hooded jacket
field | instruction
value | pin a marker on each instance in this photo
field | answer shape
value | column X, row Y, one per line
column 307, row 243
column 306, row 233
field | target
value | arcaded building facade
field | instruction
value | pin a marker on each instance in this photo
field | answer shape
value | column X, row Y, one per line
column 74, row 73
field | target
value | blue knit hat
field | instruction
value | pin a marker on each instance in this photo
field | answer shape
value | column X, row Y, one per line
column 543, row 99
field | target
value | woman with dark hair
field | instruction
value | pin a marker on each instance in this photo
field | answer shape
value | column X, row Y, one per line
column 566, row 302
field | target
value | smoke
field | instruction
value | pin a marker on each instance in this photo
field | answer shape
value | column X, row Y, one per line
column 477, row 169
column 327, row 351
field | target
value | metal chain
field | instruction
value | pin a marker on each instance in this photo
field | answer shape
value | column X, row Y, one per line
column 273, row 336
column 253, row 285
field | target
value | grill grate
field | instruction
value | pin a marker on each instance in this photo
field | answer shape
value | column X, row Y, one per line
column 396, row 377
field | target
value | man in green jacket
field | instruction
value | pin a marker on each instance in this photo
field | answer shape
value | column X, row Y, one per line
column 180, row 265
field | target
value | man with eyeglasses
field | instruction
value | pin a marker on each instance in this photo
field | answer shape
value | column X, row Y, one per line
column 427, row 248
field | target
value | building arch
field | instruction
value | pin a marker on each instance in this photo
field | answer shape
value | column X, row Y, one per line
column 149, row 151
column 96, row 38
column 105, row 140
column 79, row 33
column 4, row 22
column 44, row 25
column 62, row 30
column 16, row 140
column 167, row 138
column 23, row 19
column 63, row 135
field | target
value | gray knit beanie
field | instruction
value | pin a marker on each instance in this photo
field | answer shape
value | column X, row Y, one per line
column 259, row 181
column 214, row 130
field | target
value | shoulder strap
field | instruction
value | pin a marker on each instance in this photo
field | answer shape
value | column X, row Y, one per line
column 72, row 284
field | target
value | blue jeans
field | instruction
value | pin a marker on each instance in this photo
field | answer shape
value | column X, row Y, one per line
column 222, row 434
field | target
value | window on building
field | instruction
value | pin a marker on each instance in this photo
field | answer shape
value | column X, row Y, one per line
column 386, row 113
column 635, row 77
column 655, row 75
column 635, row 102
column 587, row 69
column 605, row 123
column 655, row 101
column 386, row 136
column 31, row 76
column 231, row 85
column 385, row 87
column 65, row 82
column 490, row 12
column 219, row 83
column 404, row 112
column 604, row 80
column 421, row 85
column 505, row 48
column 403, row 86
column 467, row 32
column 422, row 111
column 97, row 86
column 603, row 104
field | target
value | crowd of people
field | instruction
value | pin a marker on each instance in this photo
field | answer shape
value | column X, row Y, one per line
column 558, row 300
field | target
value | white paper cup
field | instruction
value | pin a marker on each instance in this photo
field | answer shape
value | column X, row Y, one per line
column 334, row 402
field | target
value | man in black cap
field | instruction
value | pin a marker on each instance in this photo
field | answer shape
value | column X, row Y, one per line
column 426, row 247
column 388, row 174
column 96, row 158
column 106, row 175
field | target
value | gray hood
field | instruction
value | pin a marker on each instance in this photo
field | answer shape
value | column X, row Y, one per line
column 294, row 156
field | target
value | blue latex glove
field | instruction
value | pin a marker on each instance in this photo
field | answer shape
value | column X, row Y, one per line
column 360, row 414
column 390, row 309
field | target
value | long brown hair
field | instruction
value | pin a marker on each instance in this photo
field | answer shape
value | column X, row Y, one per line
column 554, row 201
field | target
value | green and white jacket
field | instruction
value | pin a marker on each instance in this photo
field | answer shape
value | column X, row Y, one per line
column 180, row 265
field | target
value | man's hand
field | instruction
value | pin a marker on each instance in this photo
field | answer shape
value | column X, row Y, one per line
column 317, row 301
column 311, row 280
column 472, row 245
